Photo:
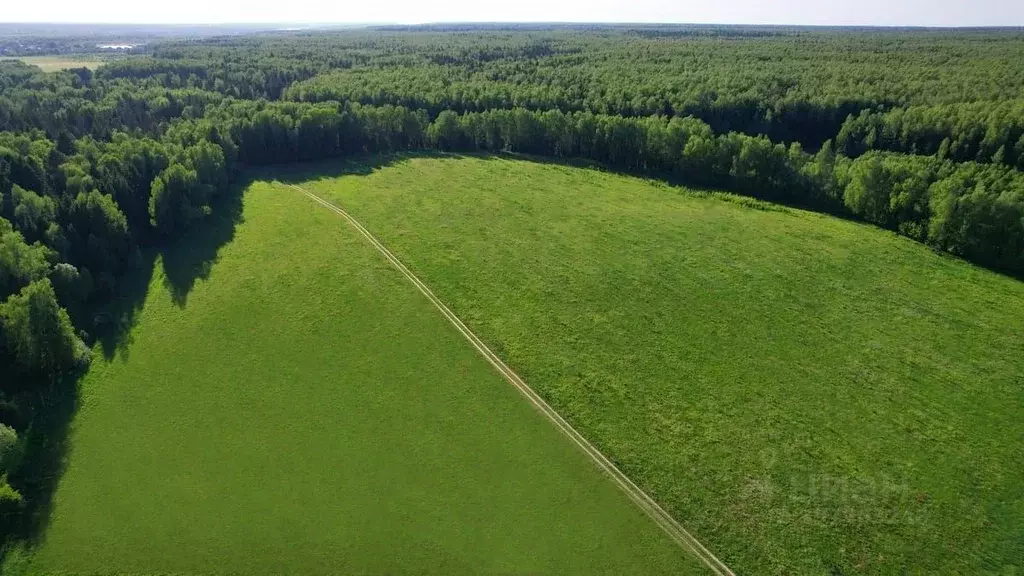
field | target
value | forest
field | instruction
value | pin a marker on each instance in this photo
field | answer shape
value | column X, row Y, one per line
column 918, row 132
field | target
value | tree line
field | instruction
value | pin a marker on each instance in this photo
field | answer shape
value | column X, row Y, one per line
column 787, row 84
column 970, row 209
column 967, row 131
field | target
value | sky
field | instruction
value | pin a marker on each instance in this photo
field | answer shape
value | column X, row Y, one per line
column 813, row 12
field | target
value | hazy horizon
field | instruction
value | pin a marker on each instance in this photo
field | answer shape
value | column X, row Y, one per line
column 295, row 25
column 922, row 13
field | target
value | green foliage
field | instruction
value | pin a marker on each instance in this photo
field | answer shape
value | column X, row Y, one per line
column 691, row 107
column 207, row 160
column 73, row 287
column 445, row 132
column 38, row 333
column 786, row 84
column 99, row 239
column 10, row 502
column 9, row 448
column 982, row 131
column 319, row 132
column 20, row 263
column 177, row 200
column 971, row 221
column 77, row 176
column 867, row 193
column 127, row 167
column 19, row 165
column 32, row 214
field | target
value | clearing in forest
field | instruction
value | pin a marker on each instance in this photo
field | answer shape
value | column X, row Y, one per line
column 57, row 63
column 294, row 405
column 805, row 394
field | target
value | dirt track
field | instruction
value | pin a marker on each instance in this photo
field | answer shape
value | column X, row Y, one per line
column 638, row 496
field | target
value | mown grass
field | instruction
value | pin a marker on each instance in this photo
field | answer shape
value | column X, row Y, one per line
column 297, row 407
column 807, row 394
column 57, row 63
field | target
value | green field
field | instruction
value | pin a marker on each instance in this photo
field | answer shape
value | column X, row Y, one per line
column 300, row 408
column 56, row 63
column 806, row 394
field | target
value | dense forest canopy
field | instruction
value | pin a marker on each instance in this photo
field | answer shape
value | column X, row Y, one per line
column 917, row 131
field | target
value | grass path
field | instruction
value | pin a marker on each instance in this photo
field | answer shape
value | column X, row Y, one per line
column 645, row 502
column 303, row 409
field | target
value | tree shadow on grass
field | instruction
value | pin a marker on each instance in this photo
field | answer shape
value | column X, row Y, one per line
column 113, row 323
column 47, row 410
column 185, row 260
column 190, row 258
column 335, row 168
column 44, row 411
column 52, row 408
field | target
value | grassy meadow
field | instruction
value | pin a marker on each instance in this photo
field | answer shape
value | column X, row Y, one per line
column 806, row 394
column 294, row 405
column 57, row 63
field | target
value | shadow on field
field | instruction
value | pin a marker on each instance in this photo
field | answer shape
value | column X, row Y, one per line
column 192, row 256
column 45, row 454
column 366, row 165
column 112, row 324
column 184, row 259
column 46, row 411
column 356, row 166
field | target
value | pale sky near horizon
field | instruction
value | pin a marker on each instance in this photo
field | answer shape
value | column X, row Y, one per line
column 813, row 12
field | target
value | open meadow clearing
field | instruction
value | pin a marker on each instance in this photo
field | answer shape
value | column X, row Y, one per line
column 294, row 405
column 806, row 394
column 57, row 63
